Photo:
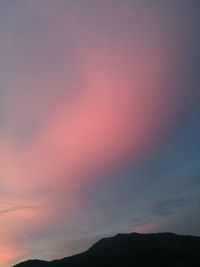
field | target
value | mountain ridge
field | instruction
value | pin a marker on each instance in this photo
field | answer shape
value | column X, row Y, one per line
column 134, row 249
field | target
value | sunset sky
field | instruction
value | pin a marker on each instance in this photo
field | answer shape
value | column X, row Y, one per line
column 99, row 122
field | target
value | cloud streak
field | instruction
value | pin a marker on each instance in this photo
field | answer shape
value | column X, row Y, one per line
column 85, row 89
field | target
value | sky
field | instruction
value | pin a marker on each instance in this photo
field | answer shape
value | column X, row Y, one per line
column 99, row 123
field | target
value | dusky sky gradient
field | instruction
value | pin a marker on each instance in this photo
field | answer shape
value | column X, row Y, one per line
column 99, row 122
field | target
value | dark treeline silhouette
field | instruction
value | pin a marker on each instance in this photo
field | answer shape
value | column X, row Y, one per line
column 133, row 250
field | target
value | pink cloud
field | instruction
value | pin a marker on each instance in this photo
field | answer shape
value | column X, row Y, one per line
column 122, row 108
column 156, row 225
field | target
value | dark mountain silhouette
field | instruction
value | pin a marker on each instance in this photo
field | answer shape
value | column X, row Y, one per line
column 133, row 250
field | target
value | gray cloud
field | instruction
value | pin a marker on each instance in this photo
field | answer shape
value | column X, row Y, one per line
column 3, row 211
column 165, row 207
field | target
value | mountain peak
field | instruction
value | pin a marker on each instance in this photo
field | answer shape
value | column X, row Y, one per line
column 125, row 250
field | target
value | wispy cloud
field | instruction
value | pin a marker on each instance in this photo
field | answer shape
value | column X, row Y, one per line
column 84, row 90
column 2, row 211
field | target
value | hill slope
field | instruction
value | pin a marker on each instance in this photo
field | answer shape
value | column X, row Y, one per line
column 137, row 250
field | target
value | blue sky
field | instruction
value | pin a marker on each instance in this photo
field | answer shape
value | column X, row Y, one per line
column 99, row 123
